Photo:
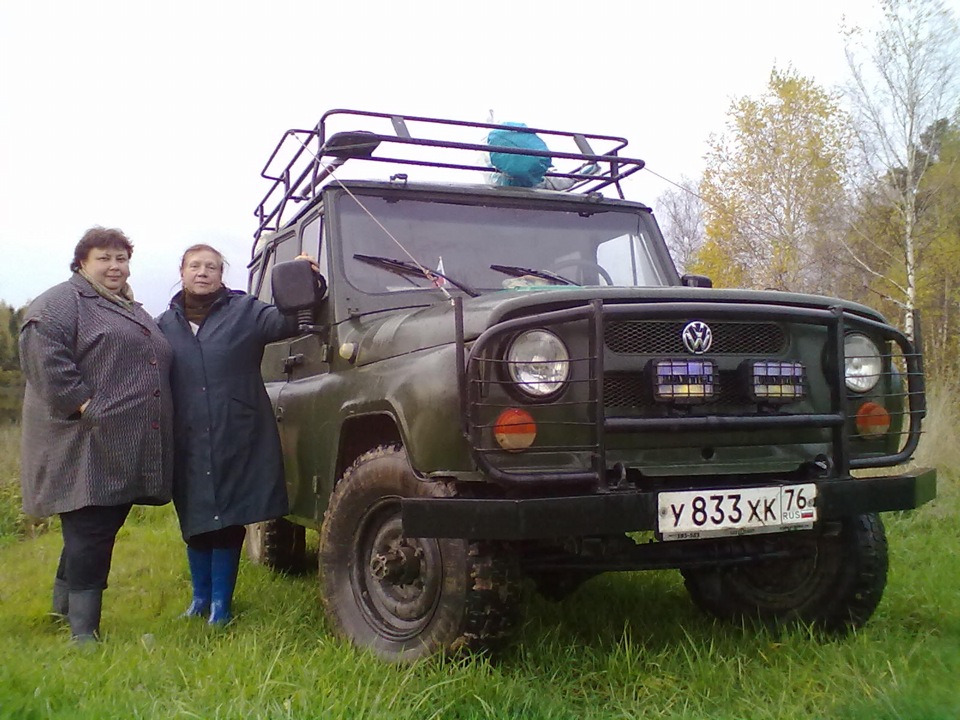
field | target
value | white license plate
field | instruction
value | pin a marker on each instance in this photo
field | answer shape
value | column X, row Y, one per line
column 692, row 514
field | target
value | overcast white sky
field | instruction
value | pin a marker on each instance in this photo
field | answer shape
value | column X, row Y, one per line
column 157, row 117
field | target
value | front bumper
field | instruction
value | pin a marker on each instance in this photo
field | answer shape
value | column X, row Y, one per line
column 617, row 512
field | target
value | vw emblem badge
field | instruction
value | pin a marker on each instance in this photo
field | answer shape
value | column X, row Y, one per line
column 697, row 337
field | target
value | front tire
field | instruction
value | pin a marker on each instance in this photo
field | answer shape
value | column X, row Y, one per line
column 407, row 598
column 835, row 585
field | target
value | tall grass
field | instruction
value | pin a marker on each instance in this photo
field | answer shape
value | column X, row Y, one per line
column 940, row 443
column 11, row 396
column 623, row 646
column 12, row 520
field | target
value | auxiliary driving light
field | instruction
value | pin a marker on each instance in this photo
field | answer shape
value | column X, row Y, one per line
column 861, row 362
column 776, row 381
column 872, row 419
column 685, row 380
column 515, row 430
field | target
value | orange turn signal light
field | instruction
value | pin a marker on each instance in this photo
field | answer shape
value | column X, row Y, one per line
column 872, row 419
column 515, row 430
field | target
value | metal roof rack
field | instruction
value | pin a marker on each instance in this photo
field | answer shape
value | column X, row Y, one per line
column 313, row 155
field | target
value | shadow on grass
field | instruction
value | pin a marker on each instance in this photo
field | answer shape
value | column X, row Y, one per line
column 653, row 607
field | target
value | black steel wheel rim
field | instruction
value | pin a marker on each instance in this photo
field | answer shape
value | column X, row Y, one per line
column 396, row 581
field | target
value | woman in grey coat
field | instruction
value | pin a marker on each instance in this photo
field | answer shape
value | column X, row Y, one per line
column 97, row 417
column 228, row 471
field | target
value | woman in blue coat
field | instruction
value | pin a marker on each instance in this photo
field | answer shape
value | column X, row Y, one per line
column 228, row 469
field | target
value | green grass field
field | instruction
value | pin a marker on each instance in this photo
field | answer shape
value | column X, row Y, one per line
column 623, row 646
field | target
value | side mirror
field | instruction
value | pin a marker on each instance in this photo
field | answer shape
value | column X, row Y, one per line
column 696, row 281
column 297, row 286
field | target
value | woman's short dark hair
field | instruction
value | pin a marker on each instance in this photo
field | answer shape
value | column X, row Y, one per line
column 99, row 237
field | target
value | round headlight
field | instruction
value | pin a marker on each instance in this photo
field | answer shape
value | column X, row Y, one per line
column 861, row 363
column 538, row 363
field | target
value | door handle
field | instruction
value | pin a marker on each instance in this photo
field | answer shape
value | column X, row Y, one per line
column 291, row 361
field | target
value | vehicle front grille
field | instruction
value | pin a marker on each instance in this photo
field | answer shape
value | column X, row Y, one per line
column 659, row 337
column 623, row 390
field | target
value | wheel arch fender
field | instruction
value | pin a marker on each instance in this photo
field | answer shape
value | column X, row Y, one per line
column 363, row 432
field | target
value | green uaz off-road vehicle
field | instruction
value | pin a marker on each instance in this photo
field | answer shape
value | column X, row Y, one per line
column 496, row 382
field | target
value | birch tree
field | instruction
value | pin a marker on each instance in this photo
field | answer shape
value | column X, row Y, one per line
column 938, row 293
column 680, row 214
column 903, row 84
column 773, row 188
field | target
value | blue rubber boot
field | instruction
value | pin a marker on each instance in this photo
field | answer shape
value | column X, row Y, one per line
column 201, row 563
column 226, row 562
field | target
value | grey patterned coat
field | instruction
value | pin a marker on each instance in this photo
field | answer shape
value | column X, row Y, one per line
column 229, row 467
column 76, row 345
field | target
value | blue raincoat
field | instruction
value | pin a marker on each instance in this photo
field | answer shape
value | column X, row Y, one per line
column 228, row 467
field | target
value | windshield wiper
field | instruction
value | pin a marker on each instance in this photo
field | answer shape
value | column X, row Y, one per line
column 402, row 267
column 517, row 271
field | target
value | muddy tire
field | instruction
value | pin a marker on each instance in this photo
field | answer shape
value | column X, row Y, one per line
column 279, row 544
column 407, row 598
column 835, row 586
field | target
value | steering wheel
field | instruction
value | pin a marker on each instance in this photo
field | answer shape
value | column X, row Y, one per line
column 584, row 265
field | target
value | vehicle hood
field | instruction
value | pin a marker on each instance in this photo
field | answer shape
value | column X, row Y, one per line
column 397, row 332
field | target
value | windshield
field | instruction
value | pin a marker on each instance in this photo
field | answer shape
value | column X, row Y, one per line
column 462, row 242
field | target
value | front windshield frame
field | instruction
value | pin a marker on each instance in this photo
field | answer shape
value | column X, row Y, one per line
column 463, row 235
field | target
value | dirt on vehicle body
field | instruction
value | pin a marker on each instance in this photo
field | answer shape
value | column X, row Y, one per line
column 496, row 382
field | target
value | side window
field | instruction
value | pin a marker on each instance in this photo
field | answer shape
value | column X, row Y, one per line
column 253, row 275
column 311, row 242
column 322, row 257
column 266, row 287
column 286, row 248
column 310, row 237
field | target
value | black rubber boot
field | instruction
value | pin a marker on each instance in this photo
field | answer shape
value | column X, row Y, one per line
column 61, row 599
column 84, row 615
